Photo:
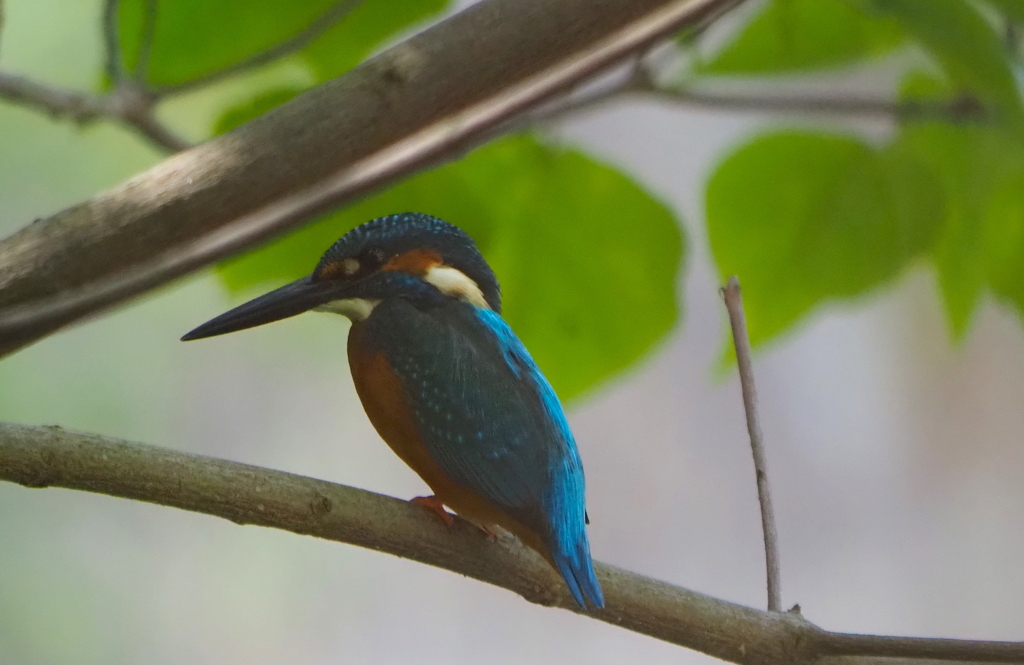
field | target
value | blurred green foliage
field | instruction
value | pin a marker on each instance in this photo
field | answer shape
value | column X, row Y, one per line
column 192, row 38
column 588, row 260
column 804, row 218
column 796, row 35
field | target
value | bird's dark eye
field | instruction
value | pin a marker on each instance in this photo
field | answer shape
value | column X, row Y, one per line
column 375, row 257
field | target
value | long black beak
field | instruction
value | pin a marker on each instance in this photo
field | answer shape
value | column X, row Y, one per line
column 300, row 296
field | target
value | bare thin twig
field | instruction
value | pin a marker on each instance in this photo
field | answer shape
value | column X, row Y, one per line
column 130, row 100
column 1, row 20
column 56, row 102
column 963, row 108
column 127, row 103
column 146, row 42
column 738, row 321
column 114, row 58
column 308, row 35
column 53, row 457
column 135, row 107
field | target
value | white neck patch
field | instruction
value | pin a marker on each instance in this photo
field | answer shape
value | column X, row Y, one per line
column 355, row 309
column 453, row 282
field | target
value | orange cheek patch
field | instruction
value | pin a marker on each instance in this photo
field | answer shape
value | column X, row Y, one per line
column 415, row 262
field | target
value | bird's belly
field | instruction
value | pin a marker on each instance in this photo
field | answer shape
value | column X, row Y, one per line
column 386, row 402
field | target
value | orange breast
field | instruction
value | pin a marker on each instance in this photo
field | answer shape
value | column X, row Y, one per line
column 387, row 405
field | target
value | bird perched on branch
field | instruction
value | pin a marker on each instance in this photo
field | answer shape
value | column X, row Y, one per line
column 446, row 382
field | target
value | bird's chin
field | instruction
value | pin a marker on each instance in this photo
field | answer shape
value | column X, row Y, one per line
column 356, row 309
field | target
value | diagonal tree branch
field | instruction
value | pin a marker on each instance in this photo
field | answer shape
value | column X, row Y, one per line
column 307, row 36
column 415, row 104
column 53, row 457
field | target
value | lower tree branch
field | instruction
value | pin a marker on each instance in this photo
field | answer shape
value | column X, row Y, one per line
column 54, row 457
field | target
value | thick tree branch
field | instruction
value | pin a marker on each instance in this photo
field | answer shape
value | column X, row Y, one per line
column 307, row 36
column 429, row 97
column 53, row 457
column 738, row 323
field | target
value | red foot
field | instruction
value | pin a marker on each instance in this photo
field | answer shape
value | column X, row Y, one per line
column 437, row 505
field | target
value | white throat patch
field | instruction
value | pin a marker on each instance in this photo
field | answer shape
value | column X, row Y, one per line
column 355, row 309
column 453, row 282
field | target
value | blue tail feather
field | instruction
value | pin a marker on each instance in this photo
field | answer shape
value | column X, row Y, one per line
column 577, row 569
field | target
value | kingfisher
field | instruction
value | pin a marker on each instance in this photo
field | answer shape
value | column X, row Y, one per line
column 447, row 384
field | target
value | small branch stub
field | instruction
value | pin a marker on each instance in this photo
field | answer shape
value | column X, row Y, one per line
column 738, row 321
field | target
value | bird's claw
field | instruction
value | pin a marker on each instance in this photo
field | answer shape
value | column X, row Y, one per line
column 436, row 505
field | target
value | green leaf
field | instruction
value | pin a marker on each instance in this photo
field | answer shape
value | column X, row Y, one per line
column 587, row 260
column 958, row 157
column 255, row 107
column 344, row 46
column 795, row 35
column 980, row 166
column 964, row 44
column 1014, row 9
column 805, row 218
column 980, row 243
column 1004, row 217
column 196, row 37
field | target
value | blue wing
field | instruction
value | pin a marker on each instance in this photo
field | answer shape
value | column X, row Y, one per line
column 493, row 423
column 564, row 501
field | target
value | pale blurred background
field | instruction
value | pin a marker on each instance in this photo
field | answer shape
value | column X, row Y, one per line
column 896, row 456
